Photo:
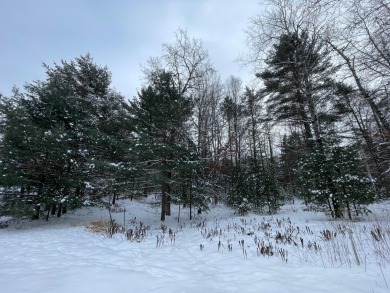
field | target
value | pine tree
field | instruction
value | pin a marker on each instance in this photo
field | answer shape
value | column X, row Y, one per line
column 298, row 79
column 192, row 186
column 335, row 182
column 159, row 117
column 302, row 91
column 292, row 150
column 58, row 132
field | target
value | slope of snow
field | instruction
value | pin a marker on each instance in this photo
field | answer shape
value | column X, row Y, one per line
column 63, row 256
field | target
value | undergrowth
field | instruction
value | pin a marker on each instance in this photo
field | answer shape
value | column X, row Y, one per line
column 337, row 243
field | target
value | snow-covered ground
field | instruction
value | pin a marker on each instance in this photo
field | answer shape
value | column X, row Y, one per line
column 293, row 251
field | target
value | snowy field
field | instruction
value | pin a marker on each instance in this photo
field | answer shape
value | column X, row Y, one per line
column 293, row 251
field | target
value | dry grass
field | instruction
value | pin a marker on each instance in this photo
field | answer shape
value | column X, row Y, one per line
column 99, row 226
column 335, row 244
column 341, row 243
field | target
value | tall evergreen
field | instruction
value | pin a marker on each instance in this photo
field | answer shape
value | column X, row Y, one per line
column 301, row 89
column 163, row 144
column 298, row 79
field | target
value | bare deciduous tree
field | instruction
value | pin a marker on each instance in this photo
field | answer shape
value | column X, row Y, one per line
column 186, row 59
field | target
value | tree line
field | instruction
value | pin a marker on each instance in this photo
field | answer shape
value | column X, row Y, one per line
column 314, row 125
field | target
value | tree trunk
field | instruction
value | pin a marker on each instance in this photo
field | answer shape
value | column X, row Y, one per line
column 349, row 210
column 346, row 200
column 168, row 204
column 314, row 121
column 370, row 146
column 377, row 113
column 36, row 212
column 190, row 203
column 53, row 208
column 59, row 210
column 305, row 118
column 168, row 197
column 330, row 207
column 356, row 210
column 178, row 216
column 338, row 213
column 163, row 201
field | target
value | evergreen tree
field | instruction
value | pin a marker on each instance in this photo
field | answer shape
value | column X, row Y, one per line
column 345, row 187
column 271, row 196
column 192, row 185
column 292, row 150
column 302, row 90
column 298, row 79
column 255, row 189
column 59, row 132
column 159, row 117
column 241, row 195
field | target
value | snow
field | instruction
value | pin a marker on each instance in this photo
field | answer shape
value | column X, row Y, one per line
column 62, row 255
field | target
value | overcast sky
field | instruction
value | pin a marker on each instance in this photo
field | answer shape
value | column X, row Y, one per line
column 121, row 34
